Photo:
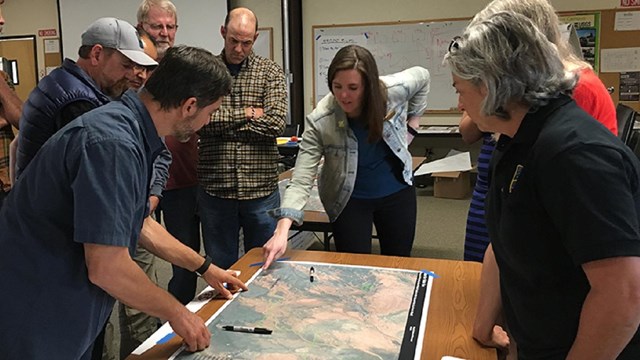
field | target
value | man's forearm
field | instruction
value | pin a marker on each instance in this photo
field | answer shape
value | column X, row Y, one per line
column 158, row 241
column 490, row 302
column 607, row 323
column 112, row 269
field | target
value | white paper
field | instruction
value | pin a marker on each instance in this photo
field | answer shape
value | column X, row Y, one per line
column 627, row 21
column 438, row 130
column 620, row 60
column 166, row 329
column 51, row 46
column 459, row 162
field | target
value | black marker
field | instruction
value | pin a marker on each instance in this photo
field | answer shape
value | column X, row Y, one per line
column 247, row 329
column 311, row 272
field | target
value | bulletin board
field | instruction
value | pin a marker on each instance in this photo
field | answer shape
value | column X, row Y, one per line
column 610, row 39
column 400, row 45
column 396, row 46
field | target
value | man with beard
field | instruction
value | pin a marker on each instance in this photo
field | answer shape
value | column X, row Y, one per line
column 81, row 209
column 111, row 52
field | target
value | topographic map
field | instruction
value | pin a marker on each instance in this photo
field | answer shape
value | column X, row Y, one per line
column 346, row 312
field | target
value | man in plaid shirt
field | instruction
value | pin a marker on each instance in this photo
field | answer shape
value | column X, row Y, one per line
column 237, row 171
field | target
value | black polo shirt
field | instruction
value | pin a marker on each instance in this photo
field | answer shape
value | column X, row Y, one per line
column 564, row 191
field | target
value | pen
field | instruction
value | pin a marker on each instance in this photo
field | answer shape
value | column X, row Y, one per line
column 247, row 329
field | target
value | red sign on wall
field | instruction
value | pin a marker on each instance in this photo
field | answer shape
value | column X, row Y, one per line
column 629, row 3
column 47, row 32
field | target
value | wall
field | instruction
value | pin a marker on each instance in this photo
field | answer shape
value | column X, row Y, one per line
column 315, row 12
column 269, row 15
column 361, row 11
column 25, row 17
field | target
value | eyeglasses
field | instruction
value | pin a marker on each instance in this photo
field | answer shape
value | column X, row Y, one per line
column 454, row 43
column 159, row 27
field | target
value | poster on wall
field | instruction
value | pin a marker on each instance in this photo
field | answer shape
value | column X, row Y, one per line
column 629, row 3
column 588, row 29
column 629, row 86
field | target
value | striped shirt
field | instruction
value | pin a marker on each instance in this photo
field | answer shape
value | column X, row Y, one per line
column 239, row 156
column 477, row 236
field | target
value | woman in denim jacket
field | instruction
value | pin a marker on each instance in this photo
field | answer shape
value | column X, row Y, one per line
column 367, row 178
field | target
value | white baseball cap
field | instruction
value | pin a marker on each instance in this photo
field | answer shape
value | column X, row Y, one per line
column 120, row 35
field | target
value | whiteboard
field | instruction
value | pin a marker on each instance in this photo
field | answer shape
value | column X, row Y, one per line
column 395, row 47
column 199, row 21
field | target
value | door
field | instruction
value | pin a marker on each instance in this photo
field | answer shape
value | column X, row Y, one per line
column 23, row 50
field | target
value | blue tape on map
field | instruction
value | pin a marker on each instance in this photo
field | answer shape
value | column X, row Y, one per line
column 262, row 262
column 166, row 338
column 430, row 273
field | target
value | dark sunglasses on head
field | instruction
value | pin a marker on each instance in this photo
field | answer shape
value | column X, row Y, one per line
column 454, row 43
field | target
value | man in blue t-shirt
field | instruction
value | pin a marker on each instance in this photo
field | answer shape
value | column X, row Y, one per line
column 81, row 208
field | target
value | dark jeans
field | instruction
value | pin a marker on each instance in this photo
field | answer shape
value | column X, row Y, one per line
column 223, row 218
column 178, row 209
column 395, row 219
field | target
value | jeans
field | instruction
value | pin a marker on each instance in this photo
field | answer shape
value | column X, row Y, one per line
column 395, row 219
column 179, row 210
column 223, row 218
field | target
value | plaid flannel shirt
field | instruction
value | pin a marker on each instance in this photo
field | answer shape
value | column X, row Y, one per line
column 239, row 156
column 6, row 136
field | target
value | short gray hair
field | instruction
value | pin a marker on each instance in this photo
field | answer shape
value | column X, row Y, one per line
column 146, row 5
column 509, row 55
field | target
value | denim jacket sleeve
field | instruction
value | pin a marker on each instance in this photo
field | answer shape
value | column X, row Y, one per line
column 304, row 175
column 417, row 82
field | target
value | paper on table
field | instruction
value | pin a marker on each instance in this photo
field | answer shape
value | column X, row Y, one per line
column 196, row 304
column 459, row 162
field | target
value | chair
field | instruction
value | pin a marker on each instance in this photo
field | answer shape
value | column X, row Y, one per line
column 626, row 119
column 634, row 142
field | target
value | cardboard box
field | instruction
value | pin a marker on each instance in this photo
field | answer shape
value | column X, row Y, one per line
column 451, row 185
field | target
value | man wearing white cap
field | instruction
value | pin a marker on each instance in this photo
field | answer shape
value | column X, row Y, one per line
column 111, row 51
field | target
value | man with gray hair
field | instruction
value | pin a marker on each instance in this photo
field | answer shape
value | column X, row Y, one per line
column 67, row 243
column 159, row 18
column 177, row 206
column 563, row 207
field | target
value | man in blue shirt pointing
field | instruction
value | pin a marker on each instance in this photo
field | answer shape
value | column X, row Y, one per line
column 81, row 208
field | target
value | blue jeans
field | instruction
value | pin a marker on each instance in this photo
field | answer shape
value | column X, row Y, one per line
column 223, row 218
column 179, row 210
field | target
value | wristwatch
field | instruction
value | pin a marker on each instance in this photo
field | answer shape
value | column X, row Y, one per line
column 205, row 266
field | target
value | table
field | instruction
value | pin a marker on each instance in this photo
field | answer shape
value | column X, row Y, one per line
column 454, row 299
column 318, row 221
column 438, row 131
